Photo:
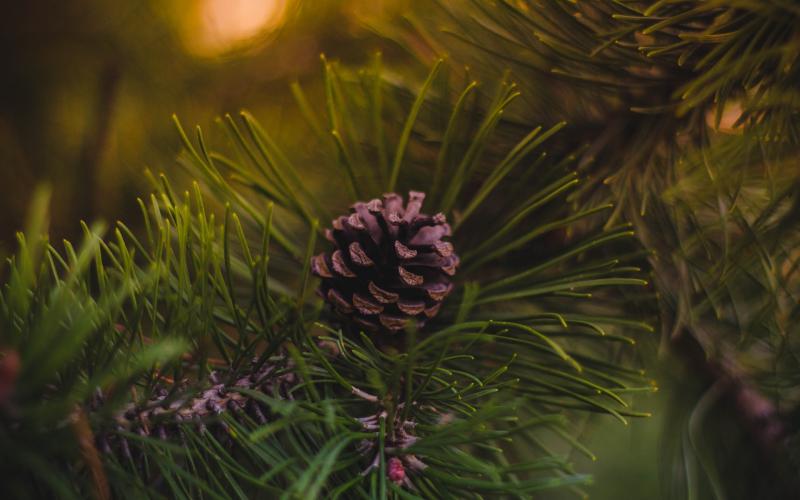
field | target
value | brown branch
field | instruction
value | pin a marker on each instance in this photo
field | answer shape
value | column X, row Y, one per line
column 91, row 457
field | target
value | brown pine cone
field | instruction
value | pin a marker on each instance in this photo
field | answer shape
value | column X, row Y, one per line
column 389, row 265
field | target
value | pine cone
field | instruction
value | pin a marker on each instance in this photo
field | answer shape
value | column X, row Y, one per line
column 390, row 264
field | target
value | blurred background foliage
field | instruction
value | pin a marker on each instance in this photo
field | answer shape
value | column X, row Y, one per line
column 88, row 89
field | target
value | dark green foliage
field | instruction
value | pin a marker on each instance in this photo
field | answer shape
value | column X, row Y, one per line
column 671, row 136
column 480, row 402
column 688, row 115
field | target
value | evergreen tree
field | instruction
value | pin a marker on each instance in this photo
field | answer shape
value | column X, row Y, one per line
column 688, row 115
column 508, row 242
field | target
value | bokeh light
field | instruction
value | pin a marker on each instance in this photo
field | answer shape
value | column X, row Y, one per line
column 217, row 27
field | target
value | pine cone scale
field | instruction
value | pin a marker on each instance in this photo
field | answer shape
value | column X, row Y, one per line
column 358, row 256
column 381, row 295
column 403, row 252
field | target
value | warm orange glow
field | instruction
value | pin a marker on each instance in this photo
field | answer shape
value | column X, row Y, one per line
column 730, row 114
column 223, row 25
